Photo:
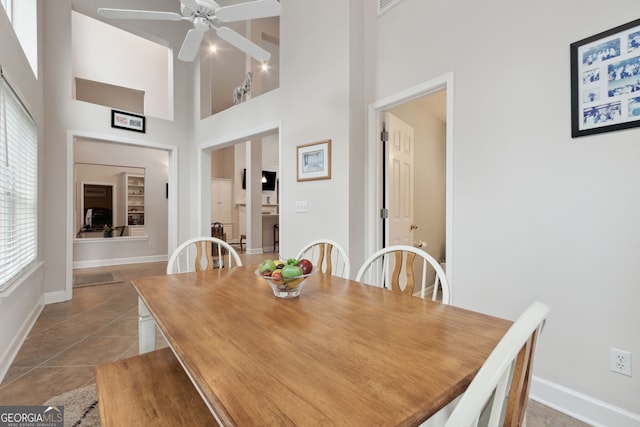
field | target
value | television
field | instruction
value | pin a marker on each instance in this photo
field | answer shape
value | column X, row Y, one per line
column 268, row 180
column 95, row 218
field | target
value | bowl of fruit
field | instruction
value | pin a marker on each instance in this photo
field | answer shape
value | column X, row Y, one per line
column 286, row 278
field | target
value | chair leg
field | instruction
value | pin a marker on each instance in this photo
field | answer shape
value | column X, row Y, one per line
column 276, row 237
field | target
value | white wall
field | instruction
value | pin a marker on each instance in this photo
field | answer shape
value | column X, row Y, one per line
column 66, row 117
column 312, row 104
column 142, row 64
column 21, row 304
column 537, row 215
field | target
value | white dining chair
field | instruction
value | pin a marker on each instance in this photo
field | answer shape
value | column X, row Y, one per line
column 393, row 268
column 499, row 392
column 197, row 254
column 202, row 253
column 328, row 256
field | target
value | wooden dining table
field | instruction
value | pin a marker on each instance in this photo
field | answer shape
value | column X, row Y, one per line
column 342, row 353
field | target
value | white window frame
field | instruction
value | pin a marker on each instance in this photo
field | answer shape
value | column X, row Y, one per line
column 7, row 4
column 18, row 186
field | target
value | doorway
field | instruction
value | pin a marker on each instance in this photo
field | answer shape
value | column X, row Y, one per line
column 414, row 201
column 125, row 248
column 255, row 211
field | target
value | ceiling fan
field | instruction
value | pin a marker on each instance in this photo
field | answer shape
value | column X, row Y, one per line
column 206, row 15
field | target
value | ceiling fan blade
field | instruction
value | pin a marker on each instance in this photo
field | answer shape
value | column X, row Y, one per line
column 249, row 10
column 139, row 14
column 191, row 45
column 242, row 43
column 190, row 4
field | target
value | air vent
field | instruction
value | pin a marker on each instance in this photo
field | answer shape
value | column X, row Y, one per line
column 384, row 5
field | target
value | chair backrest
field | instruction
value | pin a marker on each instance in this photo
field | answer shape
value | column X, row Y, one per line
column 202, row 253
column 328, row 256
column 505, row 376
column 392, row 268
column 217, row 230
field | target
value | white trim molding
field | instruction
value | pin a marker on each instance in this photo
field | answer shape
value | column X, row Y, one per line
column 172, row 219
column 373, row 195
column 9, row 354
column 118, row 261
column 580, row 406
column 23, row 276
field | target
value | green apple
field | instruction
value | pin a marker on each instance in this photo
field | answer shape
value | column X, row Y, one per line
column 290, row 271
column 267, row 265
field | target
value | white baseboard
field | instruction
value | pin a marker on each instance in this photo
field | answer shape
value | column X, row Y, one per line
column 580, row 406
column 57, row 296
column 6, row 359
column 118, row 261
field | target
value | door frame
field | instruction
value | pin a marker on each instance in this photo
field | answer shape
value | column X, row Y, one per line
column 172, row 214
column 203, row 202
column 375, row 183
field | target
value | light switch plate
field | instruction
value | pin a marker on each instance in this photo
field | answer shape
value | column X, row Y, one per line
column 301, row 206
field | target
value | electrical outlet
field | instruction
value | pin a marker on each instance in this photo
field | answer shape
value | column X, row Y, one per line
column 621, row 361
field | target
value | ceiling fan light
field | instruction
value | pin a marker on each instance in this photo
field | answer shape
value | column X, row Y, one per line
column 265, row 67
column 213, row 48
column 206, row 15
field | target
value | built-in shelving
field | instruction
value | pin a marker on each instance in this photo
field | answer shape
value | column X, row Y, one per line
column 134, row 203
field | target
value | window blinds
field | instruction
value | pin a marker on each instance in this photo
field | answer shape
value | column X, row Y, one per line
column 384, row 5
column 18, row 185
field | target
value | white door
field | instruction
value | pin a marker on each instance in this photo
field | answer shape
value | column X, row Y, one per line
column 399, row 196
column 221, row 204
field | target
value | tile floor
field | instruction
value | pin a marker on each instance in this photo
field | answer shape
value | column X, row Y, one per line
column 99, row 325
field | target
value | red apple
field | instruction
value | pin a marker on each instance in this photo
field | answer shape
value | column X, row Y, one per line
column 305, row 265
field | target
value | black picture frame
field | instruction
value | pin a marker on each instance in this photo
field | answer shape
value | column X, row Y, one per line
column 128, row 121
column 605, row 81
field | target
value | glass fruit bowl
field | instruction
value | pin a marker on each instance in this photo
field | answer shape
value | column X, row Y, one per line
column 286, row 288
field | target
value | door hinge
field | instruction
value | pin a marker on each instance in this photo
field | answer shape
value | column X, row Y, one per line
column 384, row 136
column 384, row 213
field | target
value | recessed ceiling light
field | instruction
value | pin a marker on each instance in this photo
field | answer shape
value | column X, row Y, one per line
column 265, row 66
column 213, row 48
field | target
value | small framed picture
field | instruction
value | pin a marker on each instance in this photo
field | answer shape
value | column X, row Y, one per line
column 314, row 161
column 605, row 81
column 129, row 121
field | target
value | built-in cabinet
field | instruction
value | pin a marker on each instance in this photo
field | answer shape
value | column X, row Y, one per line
column 133, row 202
column 222, row 205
